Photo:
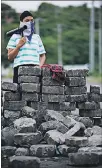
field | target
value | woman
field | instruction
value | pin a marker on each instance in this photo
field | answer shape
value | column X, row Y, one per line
column 26, row 50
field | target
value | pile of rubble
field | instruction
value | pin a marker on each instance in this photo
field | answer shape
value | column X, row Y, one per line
column 44, row 118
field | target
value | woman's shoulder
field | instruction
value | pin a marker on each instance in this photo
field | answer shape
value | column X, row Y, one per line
column 15, row 36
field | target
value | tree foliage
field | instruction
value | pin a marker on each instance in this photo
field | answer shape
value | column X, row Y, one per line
column 75, row 22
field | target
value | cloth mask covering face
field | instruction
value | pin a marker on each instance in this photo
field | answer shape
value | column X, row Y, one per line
column 30, row 29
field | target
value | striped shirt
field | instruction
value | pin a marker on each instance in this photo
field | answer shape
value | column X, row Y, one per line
column 30, row 52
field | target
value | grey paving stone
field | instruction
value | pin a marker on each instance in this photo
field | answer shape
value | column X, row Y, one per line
column 95, row 140
column 29, row 71
column 75, row 129
column 48, row 81
column 30, row 87
column 64, row 150
column 76, row 98
column 90, row 113
column 29, row 112
column 75, row 81
column 93, row 97
column 90, row 149
column 65, row 106
column 46, row 72
column 76, row 141
column 89, row 105
column 24, row 161
column 53, row 98
column 75, row 90
column 30, row 97
column 82, row 159
column 22, row 152
column 11, row 96
column 25, row 124
column 7, row 136
column 14, row 105
column 7, row 86
column 97, row 130
column 53, row 90
column 8, row 150
column 27, row 139
column 54, row 137
column 51, row 125
column 77, row 72
column 11, row 116
column 43, row 150
column 95, row 89
column 88, row 132
column 53, row 115
column 28, row 79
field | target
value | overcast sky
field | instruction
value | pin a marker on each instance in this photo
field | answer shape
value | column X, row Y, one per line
column 20, row 6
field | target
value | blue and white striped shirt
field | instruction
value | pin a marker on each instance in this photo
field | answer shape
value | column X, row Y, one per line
column 30, row 52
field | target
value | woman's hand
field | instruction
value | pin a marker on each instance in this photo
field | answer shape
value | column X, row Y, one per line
column 21, row 42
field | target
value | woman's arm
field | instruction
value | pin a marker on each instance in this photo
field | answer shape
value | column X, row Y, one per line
column 42, row 59
column 12, row 53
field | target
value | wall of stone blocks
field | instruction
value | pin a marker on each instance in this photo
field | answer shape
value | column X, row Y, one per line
column 42, row 117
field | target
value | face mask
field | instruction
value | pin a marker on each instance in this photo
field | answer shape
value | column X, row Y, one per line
column 30, row 28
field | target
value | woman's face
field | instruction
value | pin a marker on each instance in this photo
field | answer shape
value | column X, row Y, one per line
column 28, row 19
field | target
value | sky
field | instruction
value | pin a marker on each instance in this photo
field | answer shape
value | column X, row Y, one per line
column 20, row 6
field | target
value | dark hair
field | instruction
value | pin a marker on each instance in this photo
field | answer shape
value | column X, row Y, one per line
column 25, row 14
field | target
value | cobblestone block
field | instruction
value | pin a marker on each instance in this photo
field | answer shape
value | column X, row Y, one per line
column 75, row 81
column 28, row 112
column 7, row 136
column 89, row 106
column 8, row 151
column 76, row 141
column 75, row 90
column 90, row 149
column 51, row 125
column 27, row 139
column 64, row 150
column 48, row 81
column 53, row 98
column 78, row 127
column 53, row 106
column 30, row 97
column 29, row 71
column 11, row 96
column 53, row 90
column 24, row 161
column 76, row 98
column 22, row 152
column 28, row 79
column 54, row 137
column 30, row 87
column 7, row 86
column 14, row 105
column 94, row 89
column 43, row 150
column 93, row 97
column 53, row 115
column 90, row 113
column 97, row 130
column 85, row 120
column 95, row 140
column 69, row 122
column 67, row 106
column 11, row 116
column 88, row 132
column 77, row 72
column 83, row 159
column 24, row 125
column 46, row 72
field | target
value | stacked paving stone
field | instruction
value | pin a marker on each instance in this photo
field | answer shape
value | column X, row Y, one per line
column 39, row 120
